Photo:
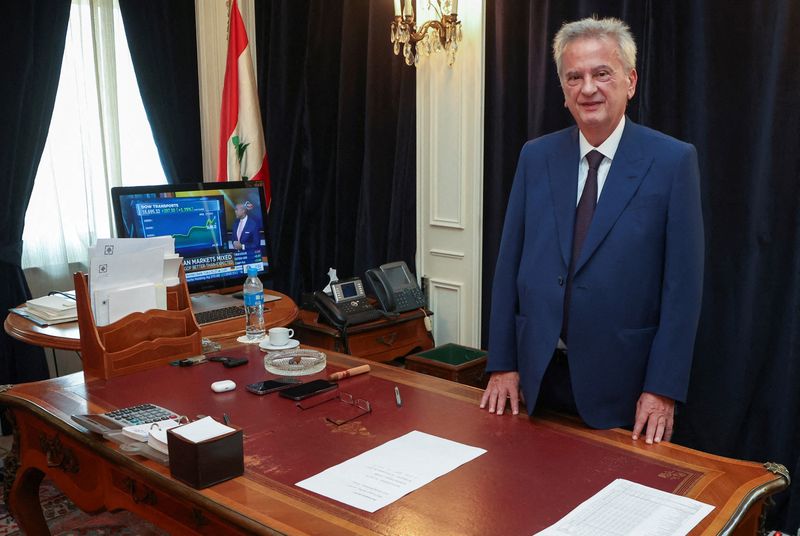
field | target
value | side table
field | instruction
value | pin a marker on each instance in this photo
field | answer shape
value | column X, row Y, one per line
column 381, row 340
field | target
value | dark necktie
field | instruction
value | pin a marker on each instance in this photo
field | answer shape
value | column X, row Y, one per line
column 583, row 217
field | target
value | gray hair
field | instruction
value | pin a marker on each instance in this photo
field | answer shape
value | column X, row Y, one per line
column 591, row 27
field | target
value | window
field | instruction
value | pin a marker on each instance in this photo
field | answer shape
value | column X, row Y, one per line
column 99, row 137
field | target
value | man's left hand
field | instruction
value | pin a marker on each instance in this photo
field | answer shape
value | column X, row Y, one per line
column 655, row 414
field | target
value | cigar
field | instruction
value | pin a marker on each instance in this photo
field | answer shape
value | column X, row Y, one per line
column 349, row 372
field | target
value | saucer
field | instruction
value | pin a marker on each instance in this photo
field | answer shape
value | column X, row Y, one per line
column 244, row 339
column 265, row 345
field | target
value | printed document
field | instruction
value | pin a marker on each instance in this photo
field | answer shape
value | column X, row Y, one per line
column 626, row 508
column 382, row 475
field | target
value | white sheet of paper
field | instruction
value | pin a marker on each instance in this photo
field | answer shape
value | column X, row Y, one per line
column 382, row 475
column 122, row 246
column 126, row 269
column 141, row 298
column 202, row 430
column 120, row 271
column 627, row 508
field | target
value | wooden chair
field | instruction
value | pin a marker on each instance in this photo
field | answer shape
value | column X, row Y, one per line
column 139, row 341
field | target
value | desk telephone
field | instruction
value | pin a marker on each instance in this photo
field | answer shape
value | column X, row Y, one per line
column 349, row 305
column 395, row 288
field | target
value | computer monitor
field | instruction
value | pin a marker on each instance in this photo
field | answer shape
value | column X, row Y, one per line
column 204, row 218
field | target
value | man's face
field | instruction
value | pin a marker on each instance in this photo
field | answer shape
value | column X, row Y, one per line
column 241, row 212
column 596, row 86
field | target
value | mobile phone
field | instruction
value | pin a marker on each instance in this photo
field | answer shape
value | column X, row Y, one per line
column 229, row 362
column 270, row 386
column 305, row 390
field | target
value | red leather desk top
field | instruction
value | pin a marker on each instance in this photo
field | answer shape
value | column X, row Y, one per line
column 533, row 473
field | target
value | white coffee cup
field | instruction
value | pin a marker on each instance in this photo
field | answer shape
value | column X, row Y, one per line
column 280, row 336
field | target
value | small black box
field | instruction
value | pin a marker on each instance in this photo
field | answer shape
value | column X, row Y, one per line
column 208, row 462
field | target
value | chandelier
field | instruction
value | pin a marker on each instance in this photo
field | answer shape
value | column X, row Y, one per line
column 435, row 35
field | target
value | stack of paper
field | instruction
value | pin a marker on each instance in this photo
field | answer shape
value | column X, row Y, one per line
column 203, row 430
column 157, row 439
column 53, row 309
column 127, row 275
column 142, row 432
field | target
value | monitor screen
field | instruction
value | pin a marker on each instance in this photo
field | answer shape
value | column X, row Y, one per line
column 219, row 228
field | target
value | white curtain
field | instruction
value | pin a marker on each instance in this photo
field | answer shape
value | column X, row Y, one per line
column 99, row 138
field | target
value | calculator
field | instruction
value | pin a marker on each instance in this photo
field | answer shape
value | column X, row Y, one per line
column 119, row 418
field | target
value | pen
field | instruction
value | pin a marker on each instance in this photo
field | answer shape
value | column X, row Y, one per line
column 355, row 371
column 226, row 418
column 397, row 399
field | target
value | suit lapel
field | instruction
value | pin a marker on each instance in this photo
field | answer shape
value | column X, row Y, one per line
column 563, row 171
column 628, row 168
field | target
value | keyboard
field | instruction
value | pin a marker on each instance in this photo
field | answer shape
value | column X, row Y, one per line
column 119, row 418
column 216, row 315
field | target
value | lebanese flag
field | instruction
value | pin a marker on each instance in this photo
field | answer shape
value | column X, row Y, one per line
column 242, row 152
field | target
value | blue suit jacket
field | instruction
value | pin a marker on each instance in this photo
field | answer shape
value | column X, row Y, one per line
column 638, row 280
column 250, row 234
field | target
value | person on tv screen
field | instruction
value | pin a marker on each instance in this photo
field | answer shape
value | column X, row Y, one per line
column 247, row 229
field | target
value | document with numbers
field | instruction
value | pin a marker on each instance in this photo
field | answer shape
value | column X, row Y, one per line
column 384, row 474
column 625, row 508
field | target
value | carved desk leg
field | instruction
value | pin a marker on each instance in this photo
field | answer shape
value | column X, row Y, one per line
column 21, row 488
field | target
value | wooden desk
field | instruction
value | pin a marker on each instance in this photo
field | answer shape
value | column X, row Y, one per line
column 67, row 337
column 380, row 340
column 534, row 471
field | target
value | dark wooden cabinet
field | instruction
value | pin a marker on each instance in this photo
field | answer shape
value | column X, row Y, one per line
column 380, row 340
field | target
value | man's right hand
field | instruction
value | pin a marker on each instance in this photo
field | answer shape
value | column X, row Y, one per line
column 502, row 387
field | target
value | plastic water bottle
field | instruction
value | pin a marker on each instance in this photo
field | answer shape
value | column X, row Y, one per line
column 253, row 305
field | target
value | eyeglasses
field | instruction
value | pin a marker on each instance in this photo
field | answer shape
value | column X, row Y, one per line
column 359, row 403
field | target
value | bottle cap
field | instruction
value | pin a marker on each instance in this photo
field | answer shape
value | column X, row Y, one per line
column 252, row 271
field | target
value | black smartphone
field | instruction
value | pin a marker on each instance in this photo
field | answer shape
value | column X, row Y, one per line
column 229, row 362
column 305, row 390
column 270, row 386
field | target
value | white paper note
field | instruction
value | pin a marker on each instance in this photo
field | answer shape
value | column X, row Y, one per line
column 202, row 430
column 626, row 508
column 384, row 474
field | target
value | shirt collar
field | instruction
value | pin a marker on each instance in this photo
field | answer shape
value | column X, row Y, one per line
column 609, row 147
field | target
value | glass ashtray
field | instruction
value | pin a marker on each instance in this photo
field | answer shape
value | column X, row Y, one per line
column 297, row 362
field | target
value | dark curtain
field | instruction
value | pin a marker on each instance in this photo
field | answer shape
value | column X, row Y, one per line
column 163, row 44
column 339, row 119
column 723, row 76
column 32, row 49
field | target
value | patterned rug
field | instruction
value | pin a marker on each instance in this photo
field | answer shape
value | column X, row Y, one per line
column 65, row 519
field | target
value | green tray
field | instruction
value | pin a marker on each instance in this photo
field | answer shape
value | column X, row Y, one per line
column 452, row 354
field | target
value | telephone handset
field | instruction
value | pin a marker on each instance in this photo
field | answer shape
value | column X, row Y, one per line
column 349, row 305
column 395, row 287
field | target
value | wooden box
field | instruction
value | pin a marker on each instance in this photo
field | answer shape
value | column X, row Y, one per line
column 208, row 462
column 452, row 362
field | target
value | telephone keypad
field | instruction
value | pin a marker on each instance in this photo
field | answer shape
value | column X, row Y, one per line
column 354, row 306
column 408, row 299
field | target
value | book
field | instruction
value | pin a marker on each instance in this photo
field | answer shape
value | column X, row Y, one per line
column 54, row 307
column 25, row 312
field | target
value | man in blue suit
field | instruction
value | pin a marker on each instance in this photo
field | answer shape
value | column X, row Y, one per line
column 246, row 230
column 596, row 297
